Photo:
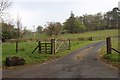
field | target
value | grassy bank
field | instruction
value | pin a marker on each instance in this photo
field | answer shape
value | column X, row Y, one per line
column 113, row 58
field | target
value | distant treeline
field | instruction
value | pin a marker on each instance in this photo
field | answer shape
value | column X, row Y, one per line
column 79, row 24
column 99, row 21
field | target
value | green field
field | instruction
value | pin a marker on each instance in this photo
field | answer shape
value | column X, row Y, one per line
column 101, row 34
column 26, row 48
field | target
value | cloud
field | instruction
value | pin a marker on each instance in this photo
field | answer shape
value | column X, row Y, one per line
column 38, row 12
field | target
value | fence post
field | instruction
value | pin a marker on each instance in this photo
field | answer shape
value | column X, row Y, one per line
column 16, row 46
column 69, row 44
column 39, row 47
column 45, row 47
column 52, row 46
column 108, row 43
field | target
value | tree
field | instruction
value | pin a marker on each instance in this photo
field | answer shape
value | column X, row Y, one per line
column 8, row 31
column 79, row 27
column 97, row 22
column 39, row 29
column 87, row 21
column 69, row 24
column 19, row 27
column 26, row 32
column 73, row 25
column 53, row 28
column 107, row 18
column 115, row 17
column 112, row 18
column 58, row 28
column 4, row 5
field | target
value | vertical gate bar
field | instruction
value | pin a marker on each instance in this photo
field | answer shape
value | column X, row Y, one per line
column 45, row 47
column 39, row 47
column 16, row 46
column 52, row 46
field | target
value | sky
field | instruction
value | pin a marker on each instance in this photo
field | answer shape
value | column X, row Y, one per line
column 39, row 12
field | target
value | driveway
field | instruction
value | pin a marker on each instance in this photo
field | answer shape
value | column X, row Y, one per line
column 82, row 63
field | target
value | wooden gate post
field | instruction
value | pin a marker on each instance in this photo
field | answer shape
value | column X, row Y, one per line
column 52, row 46
column 45, row 47
column 39, row 46
column 108, row 43
column 69, row 44
column 16, row 46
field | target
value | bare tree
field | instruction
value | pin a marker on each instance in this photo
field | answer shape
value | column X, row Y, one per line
column 19, row 26
column 53, row 28
column 4, row 5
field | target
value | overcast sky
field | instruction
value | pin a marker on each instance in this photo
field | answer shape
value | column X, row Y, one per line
column 39, row 12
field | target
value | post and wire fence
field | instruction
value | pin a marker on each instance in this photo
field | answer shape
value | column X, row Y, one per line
column 109, row 46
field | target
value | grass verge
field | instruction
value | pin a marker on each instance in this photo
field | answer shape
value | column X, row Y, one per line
column 111, row 59
column 26, row 48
